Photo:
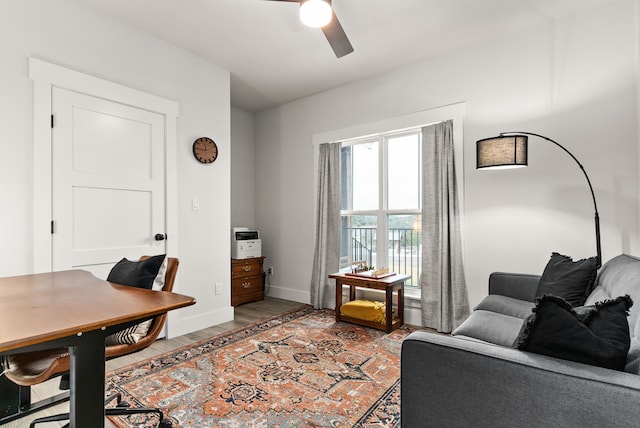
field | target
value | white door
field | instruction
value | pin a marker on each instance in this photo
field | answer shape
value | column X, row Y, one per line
column 108, row 182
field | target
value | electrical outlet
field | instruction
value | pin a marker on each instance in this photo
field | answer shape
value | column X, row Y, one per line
column 218, row 288
column 270, row 270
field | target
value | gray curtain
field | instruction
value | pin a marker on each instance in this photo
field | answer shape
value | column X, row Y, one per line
column 444, row 292
column 326, row 258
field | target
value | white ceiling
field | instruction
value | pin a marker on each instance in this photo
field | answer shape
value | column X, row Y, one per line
column 273, row 58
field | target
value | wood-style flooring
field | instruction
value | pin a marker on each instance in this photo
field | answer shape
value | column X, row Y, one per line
column 244, row 315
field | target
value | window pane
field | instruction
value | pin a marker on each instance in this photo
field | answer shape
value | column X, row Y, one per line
column 358, row 241
column 359, row 169
column 405, row 245
column 404, row 172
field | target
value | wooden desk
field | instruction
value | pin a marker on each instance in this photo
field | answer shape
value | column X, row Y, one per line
column 74, row 309
column 388, row 284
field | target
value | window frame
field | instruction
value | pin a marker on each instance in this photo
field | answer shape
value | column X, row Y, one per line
column 416, row 119
column 383, row 212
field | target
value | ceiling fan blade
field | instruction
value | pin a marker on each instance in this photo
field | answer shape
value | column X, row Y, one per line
column 335, row 34
column 337, row 38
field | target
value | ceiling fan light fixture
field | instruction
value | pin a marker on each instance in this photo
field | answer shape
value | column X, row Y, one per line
column 315, row 13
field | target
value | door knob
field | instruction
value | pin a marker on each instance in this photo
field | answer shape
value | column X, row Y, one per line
column 160, row 237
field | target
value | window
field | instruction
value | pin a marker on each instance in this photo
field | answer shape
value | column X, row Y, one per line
column 381, row 203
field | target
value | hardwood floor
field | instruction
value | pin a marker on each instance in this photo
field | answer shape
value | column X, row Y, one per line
column 244, row 315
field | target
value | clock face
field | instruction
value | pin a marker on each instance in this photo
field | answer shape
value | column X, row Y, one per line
column 205, row 150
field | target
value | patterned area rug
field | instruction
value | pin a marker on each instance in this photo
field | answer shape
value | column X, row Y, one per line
column 297, row 369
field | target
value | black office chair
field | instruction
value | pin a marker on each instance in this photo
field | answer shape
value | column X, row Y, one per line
column 32, row 368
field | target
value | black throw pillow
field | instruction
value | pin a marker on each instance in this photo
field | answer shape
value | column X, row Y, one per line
column 136, row 274
column 573, row 281
column 598, row 335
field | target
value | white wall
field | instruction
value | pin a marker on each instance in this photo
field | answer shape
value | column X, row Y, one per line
column 243, row 169
column 67, row 33
column 573, row 80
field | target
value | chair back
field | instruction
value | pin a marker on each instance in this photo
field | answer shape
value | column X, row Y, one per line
column 158, row 321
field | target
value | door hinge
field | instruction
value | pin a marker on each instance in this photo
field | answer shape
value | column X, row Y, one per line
column 52, row 121
column 53, row 227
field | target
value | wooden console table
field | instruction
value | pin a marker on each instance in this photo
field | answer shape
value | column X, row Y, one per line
column 389, row 284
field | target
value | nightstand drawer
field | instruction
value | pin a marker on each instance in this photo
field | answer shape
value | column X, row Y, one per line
column 246, row 267
column 246, row 289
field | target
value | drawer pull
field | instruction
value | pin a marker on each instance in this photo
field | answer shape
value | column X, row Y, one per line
column 246, row 268
column 246, row 284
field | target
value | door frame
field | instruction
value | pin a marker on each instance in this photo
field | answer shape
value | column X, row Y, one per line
column 45, row 76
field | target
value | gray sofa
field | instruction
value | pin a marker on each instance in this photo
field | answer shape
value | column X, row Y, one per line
column 475, row 378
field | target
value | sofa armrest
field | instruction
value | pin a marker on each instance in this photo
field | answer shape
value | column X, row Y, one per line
column 448, row 381
column 516, row 285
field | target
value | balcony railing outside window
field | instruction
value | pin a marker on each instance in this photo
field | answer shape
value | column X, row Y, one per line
column 403, row 250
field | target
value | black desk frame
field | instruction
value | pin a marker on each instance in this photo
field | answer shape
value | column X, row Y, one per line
column 86, row 395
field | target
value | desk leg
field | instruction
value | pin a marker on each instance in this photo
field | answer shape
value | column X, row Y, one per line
column 11, row 397
column 87, row 381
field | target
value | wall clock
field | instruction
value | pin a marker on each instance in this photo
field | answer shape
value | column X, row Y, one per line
column 205, row 150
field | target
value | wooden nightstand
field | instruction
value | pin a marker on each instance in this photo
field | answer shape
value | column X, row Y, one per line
column 246, row 280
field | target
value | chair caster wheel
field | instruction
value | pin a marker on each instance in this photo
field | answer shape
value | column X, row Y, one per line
column 124, row 404
column 165, row 424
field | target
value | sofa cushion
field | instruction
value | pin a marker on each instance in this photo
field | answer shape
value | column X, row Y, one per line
column 600, row 337
column 617, row 277
column 633, row 357
column 491, row 327
column 570, row 280
column 506, row 306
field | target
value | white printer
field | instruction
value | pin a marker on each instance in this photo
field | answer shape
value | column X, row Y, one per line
column 245, row 243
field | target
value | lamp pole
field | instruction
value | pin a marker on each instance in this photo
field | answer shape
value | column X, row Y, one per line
column 593, row 196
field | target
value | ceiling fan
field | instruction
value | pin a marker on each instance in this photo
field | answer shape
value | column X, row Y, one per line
column 319, row 13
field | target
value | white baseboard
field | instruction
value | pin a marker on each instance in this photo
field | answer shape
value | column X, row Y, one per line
column 413, row 316
column 177, row 326
column 289, row 294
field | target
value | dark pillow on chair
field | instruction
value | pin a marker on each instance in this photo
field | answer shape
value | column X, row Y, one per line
column 141, row 274
column 598, row 336
column 136, row 274
column 572, row 281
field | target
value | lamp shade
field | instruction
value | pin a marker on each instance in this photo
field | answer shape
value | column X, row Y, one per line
column 315, row 13
column 504, row 151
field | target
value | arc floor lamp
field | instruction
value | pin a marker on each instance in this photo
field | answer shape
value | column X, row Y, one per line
column 509, row 150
